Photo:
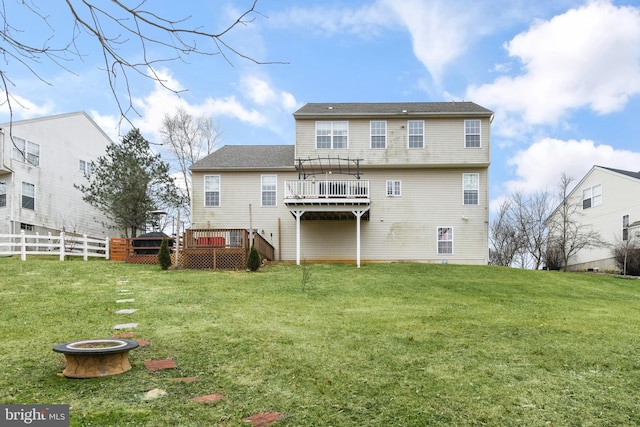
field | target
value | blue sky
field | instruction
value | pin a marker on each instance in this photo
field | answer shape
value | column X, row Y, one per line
column 562, row 76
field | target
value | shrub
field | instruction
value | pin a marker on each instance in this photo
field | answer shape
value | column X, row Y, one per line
column 164, row 257
column 553, row 257
column 632, row 259
column 254, row 261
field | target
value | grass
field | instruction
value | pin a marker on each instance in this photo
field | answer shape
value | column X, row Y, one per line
column 386, row 344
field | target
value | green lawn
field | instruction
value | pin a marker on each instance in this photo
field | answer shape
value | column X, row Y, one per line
column 383, row 345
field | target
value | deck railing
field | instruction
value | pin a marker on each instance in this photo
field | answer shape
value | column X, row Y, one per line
column 326, row 188
column 229, row 238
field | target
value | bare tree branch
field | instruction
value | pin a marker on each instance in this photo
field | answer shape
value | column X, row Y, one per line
column 110, row 26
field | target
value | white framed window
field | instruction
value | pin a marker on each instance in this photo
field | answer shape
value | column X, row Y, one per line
column 332, row 135
column 394, row 188
column 592, row 196
column 470, row 188
column 378, row 134
column 415, row 133
column 3, row 194
column 85, row 167
column 625, row 227
column 445, row 240
column 212, row 190
column 25, row 151
column 28, row 196
column 269, row 189
column 472, row 133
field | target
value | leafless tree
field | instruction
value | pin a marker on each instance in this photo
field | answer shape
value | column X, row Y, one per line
column 626, row 253
column 529, row 214
column 188, row 139
column 567, row 233
column 503, row 237
column 107, row 27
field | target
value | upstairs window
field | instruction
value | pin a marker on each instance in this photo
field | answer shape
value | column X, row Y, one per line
column 394, row 188
column 25, row 151
column 445, row 240
column 85, row 167
column 3, row 194
column 332, row 135
column 592, row 197
column 472, row 133
column 269, row 185
column 212, row 190
column 415, row 129
column 28, row 196
column 378, row 134
column 470, row 188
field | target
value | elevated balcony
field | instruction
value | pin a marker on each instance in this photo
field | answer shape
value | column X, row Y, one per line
column 327, row 199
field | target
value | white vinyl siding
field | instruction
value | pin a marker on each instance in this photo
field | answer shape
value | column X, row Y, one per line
column 443, row 144
column 378, row 134
column 269, row 190
column 212, row 190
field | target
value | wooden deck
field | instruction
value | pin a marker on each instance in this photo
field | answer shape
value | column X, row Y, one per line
column 216, row 249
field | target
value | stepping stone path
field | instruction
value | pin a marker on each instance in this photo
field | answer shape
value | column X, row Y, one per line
column 159, row 365
column 127, row 311
column 208, row 398
column 262, row 419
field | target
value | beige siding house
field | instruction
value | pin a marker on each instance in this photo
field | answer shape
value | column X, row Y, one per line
column 363, row 182
column 40, row 161
column 609, row 203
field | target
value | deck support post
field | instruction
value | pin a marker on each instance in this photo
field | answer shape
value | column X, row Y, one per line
column 358, row 215
column 297, row 214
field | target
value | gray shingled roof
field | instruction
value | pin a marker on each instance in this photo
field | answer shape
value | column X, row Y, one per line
column 249, row 157
column 391, row 109
column 635, row 175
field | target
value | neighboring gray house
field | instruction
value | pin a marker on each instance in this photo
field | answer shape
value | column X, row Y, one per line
column 38, row 170
column 609, row 202
column 363, row 182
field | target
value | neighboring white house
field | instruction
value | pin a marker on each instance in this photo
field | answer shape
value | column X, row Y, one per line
column 609, row 203
column 364, row 181
column 40, row 161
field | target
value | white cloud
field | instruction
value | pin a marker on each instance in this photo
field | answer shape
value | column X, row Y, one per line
column 264, row 106
column 23, row 108
column 588, row 57
column 440, row 30
column 539, row 167
column 362, row 21
column 261, row 92
column 109, row 124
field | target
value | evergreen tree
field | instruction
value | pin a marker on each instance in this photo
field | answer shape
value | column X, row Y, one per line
column 164, row 257
column 254, row 261
column 129, row 182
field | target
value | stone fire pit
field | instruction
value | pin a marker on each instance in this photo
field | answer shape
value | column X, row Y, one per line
column 96, row 358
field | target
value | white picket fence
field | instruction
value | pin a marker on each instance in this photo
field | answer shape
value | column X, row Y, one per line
column 24, row 244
